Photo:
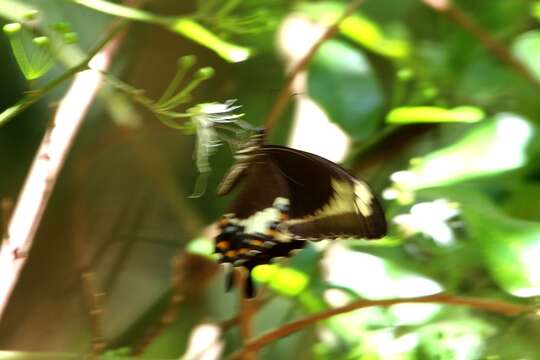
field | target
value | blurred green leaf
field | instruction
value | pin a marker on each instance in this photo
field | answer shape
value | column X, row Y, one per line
column 284, row 280
column 264, row 273
column 519, row 202
column 432, row 114
column 15, row 10
column 359, row 29
column 181, row 25
column 289, row 281
column 196, row 32
column 201, row 246
column 527, row 49
column 461, row 339
column 493, row 146
column 343, row 83
column 511, row 247
column 535, row 10
column 367, row 33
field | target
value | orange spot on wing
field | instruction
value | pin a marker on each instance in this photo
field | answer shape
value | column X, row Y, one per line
column 256, row 242
column 230, row 253
column 222, row 245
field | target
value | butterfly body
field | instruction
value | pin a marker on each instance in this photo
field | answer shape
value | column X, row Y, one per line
column 286, row 197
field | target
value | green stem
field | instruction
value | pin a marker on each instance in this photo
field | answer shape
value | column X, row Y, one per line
column 175, row 83
column 31, row 97
column 171, row 114
column 170, row 123
column 227, row 8
column 182, row 96
column 183, row 25
column 121, row 11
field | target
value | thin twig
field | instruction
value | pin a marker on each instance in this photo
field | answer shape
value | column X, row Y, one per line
column 169, row 315
column 496, row 306
column 497, row 48
column 247, row 310
column 286, row 90
column 49, row 160
column 256, row 304
column 95, row 300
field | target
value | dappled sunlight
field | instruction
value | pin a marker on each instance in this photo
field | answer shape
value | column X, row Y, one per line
column 491, row 147
column 530, row 260
column 430, row 219
column 373, row 277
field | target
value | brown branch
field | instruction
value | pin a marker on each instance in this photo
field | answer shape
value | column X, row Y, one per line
column 95, row 300
column 497, row 48
column 496, row 306
column 47, row 164
column 286, row 91
column 256, row 304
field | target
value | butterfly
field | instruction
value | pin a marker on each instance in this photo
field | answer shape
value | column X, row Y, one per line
column 287, row 197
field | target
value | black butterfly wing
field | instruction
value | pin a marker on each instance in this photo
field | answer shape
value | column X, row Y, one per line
column 326, row 201
column 261, row 183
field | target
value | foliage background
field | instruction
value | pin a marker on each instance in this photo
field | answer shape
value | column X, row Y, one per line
column 461, row 184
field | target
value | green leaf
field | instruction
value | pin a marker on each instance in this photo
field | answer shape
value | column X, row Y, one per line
column 359, row 29
column 201, row 246
column 493, row 146
column 368, row 34
column 535, row 11
column 510, row 247
column 283, row 280
column 432, row 114
column 343, row 83
column 527, row 49
column 196, row 32
column 181, row 25
column 15, row 10
column 462, row 338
